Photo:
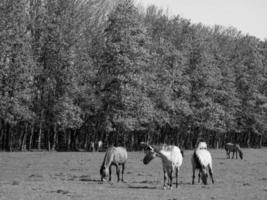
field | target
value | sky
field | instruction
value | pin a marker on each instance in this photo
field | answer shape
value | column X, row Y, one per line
column 248, row 16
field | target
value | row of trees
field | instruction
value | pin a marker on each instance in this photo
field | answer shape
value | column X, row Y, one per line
column 72, row 72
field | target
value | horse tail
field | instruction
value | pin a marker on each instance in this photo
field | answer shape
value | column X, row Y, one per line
column 182, row 152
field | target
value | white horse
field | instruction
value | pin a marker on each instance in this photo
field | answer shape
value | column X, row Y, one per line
column 171, row 157
column 99, row 145
column 202, row 161
column 202, row 145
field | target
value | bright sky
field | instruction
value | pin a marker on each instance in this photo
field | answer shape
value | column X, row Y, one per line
column 248, row 16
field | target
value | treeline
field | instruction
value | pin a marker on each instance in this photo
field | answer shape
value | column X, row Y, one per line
column 72, row 72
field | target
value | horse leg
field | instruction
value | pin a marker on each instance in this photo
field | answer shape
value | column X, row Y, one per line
column 199, row 176
column 170, row 177
column 176, row 175
column 164, row 178
column 233, row 154
column 118, row 171
column 211, row 174
column 193, row 177
column 122, row 171
column 110, row 173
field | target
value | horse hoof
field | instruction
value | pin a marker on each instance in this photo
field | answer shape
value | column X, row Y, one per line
column 103, row 180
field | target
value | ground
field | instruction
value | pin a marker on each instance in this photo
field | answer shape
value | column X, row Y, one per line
column 75, row 175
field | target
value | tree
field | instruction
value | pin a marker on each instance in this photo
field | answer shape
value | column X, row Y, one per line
column 123, row 69
column 17, row 68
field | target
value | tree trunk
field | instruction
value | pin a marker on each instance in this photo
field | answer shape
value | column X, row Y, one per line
column 85, row 146
column 2, row 137
column 40, row 136
column 11, row 135
column 49, row 133
column 68, row 140
column 7, row 137
column 31, row 136
column 132, row 141
column 125, row 138
column 24, row 138
column 54, row 142
column 248, row 139
column 65, row 139
column 260, row 142
column 75, row 140
column 40, row 131
column 22, row 133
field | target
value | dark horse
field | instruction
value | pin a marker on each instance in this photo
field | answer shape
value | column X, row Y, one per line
column 114, row 156
column 230, row 147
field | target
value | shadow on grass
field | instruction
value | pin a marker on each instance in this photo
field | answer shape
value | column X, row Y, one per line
column 142, row 187
column 59, row 191
column 186, row 183
column 35, row 177
column 221, row 158
column 145, row 181
column 89, row 180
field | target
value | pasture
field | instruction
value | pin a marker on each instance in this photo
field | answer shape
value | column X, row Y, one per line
column 75, row 176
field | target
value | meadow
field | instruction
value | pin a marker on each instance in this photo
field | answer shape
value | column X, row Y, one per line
column 75, row 176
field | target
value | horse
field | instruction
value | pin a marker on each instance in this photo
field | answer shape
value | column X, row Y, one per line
column 99, row 145
column 202, row 145
column 114, row 156
column 171, row 157
column 92, row 146
column 202, row 160
column 230, row 147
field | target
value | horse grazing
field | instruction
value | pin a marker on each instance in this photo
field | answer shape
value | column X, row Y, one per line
column 114, row 156
column 230, row 147
column 171, row 157
column 202, row 161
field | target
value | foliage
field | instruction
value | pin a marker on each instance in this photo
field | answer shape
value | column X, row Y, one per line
column 78, row 71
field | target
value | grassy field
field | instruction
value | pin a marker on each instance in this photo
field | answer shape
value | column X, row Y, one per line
column 71, row 175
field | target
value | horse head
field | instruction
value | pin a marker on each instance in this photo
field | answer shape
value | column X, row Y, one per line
column 240, row 154
column 204, row 175
column 104, row 172
column 150, row 153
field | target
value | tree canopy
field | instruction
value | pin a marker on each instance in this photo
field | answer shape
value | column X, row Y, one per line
column 73, row 72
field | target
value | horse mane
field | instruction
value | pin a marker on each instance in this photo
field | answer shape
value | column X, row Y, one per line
column 164, row 147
